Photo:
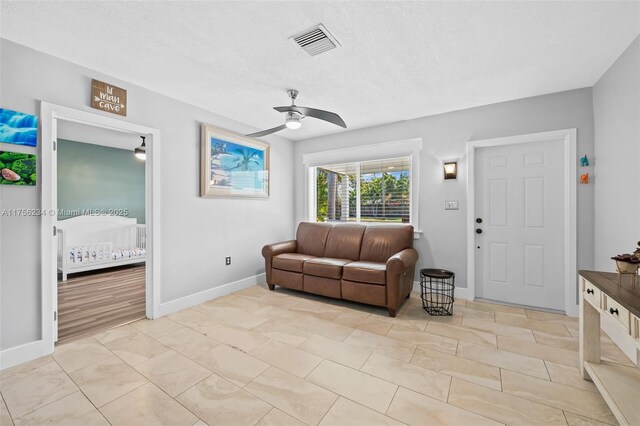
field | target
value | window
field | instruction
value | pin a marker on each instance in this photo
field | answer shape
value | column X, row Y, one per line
column 365, row 191
column 350, row 184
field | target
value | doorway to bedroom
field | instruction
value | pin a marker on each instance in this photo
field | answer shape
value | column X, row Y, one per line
column 55, row 117
column 101, row 231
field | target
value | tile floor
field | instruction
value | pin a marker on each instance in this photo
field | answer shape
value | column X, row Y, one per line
column 286, row 358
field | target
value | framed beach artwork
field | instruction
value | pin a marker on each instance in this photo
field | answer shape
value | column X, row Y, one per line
column 18, row 128
column 233, row 165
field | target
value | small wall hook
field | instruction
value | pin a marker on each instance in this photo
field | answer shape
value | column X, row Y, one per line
column 584, row 161
column 584, row 178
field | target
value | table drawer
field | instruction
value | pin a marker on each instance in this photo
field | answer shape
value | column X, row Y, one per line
column 593, row 294
column 617, row 312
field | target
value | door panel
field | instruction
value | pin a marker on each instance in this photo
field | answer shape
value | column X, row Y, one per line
column 497, row 161
column 534, row 158
column 498, row 261
column 520, row 198
column 534, row 266
column 534, row 202
column 498, row 202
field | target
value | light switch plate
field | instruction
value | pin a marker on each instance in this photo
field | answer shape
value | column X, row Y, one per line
column 451, row 205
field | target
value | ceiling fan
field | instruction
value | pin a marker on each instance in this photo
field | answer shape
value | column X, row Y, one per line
column 296, row 113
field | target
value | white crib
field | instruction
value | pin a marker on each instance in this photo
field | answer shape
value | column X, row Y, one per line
column 86, row 243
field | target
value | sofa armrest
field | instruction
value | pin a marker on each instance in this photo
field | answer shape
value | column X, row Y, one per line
column 271, row 250
column 400, row 269
column 402, row 261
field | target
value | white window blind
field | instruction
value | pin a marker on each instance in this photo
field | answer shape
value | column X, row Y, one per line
column 365, row 191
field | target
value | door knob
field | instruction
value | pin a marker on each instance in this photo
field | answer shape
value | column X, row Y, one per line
column 479, row 220
column 478, row 231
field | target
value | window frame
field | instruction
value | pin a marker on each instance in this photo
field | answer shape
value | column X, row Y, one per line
column 402, row 148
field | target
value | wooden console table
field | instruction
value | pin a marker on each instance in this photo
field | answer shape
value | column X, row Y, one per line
column 619, row 385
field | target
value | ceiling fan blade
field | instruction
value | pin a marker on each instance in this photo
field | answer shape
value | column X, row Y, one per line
column 266, row 132
column 331, row 117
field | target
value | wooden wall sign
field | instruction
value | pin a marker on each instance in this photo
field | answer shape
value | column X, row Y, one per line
column 106, row 97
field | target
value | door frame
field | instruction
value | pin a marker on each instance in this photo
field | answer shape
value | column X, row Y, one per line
column 49, row 115
column 568, row 138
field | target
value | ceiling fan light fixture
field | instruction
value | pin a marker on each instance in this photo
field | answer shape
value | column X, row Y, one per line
column 295, row 113
column 293, row 121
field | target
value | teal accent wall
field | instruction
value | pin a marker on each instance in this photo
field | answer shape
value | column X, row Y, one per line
column 100, row 177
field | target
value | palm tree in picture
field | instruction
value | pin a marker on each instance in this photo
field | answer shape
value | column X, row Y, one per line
column 247, row 159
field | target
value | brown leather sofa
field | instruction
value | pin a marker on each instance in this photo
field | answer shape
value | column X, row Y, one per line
column 370, row 264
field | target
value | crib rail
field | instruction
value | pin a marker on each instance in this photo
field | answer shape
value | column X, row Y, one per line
column 141, row 236
column 97, row 252
column 100, row 254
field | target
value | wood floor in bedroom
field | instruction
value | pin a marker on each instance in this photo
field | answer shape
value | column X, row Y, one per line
column 96, row 301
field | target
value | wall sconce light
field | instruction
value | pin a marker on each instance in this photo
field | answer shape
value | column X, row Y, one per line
column 450, row 170
column 141, row 151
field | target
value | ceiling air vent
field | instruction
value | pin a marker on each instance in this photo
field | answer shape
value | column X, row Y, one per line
column 316, row 40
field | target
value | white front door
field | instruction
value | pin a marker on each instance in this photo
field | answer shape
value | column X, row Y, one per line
column 519, row 196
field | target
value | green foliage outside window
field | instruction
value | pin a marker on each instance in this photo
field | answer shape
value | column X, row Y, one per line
column 384, row 196
column 322, row 194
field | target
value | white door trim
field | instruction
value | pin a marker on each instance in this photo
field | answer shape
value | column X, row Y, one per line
column 568, row 138
column 49, row 115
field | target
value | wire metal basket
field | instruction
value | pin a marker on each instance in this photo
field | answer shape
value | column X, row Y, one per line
column 437, row 290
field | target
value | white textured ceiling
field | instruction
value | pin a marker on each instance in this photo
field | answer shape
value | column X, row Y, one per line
column 398, row 60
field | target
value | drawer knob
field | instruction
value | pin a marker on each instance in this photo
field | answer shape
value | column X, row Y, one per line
column 589, row 291
column 613, row 311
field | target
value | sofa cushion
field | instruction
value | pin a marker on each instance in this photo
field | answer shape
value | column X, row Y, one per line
column 322, row 286
column 311, row 238
column 366, row 272
column 364, row 293
column 343, row 241
column 379, row 243
column 325, row 267
column 287, row 279
column 290, row 261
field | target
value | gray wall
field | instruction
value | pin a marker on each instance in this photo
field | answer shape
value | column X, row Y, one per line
column 616, row 109
column 443, row 243
column 94, row 177
column 197, row 233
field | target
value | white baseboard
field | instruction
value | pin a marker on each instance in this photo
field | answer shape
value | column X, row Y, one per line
column 459, row 292
column 23, row 353
column 462, row 293
column 573, row 311
column 176, row 305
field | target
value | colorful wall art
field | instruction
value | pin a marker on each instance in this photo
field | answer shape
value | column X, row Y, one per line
column 233, row 165
column 18, row 128
column 17, row 169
